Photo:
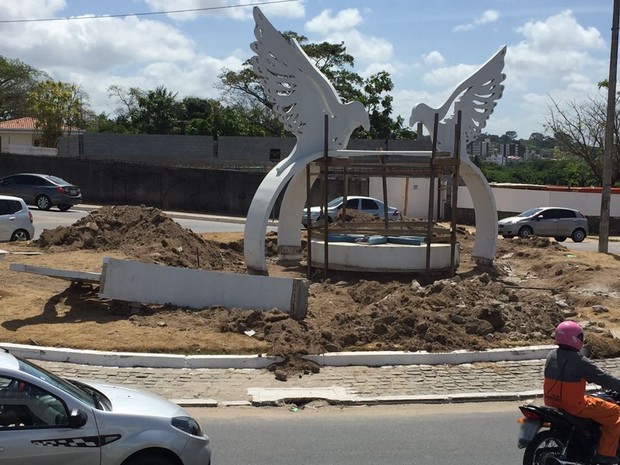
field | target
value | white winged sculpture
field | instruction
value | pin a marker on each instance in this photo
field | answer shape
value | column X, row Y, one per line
column 301, row 97
column 475, row 98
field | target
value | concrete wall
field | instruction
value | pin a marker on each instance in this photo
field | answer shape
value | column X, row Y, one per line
column 515, row 199
column 201, row 151
column 410, row 195
column 202, row 190
column 185, row 189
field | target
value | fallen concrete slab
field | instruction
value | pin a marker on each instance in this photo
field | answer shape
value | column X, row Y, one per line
column 68, row 275
column 3, row 253
column 144, row 282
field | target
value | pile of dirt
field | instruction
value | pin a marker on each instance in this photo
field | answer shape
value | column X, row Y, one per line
column 532, row 285
column 144, row 233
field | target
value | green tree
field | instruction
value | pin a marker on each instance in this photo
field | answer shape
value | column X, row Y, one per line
column 17, row 79
column 57, row 107
column 377, row 100
column 244, row 89
column 157, row 112
column 561, row 172
column 579, row 131
column 201, row 116
column 147, row 111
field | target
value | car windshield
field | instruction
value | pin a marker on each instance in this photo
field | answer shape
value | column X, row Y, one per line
column 530, row 212
column 56, row 381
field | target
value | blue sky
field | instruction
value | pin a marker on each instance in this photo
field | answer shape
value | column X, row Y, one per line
column 557, row 49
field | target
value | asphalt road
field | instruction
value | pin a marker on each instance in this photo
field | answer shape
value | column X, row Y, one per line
column 53, row 218
column 455, row 434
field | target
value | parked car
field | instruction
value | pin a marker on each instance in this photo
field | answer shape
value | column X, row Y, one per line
column 15, row 219
column 43, row 190
column 355, row 202
column 48, row 420
column 555, row 222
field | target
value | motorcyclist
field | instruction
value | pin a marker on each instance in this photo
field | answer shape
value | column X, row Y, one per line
column 566, row 374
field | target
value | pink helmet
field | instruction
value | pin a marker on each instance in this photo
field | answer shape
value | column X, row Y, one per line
column 569, row 333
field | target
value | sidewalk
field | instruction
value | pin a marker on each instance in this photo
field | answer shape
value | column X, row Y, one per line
column 343, row 385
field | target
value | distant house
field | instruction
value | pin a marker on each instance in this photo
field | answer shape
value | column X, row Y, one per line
column 20, row 136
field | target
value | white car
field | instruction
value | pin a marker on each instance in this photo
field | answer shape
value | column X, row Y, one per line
column 15, row 220
column 368, row 205
column 47, row 420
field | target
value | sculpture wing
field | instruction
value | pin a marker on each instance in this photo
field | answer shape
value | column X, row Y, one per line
column 479, row 96
column 301, row 95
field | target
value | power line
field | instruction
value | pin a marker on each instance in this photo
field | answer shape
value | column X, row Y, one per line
column 151, row 13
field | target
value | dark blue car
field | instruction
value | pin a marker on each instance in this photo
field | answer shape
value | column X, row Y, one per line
column 43, row 190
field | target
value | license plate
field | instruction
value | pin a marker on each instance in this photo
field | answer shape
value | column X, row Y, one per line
column 528, row 430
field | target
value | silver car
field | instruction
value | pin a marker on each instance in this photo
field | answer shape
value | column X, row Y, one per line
column 556, row 222
column 368, row 205
column 15, row 219
column 47, row 420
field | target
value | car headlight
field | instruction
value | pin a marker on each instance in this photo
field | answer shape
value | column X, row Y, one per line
column 188, row 425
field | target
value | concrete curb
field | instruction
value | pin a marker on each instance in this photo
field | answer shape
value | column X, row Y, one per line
column 268, row 397
column 135, row 359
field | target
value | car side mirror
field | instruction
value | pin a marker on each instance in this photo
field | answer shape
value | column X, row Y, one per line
column 78, row 418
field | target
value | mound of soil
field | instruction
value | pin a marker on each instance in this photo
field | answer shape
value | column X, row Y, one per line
column 143, row 233
column 533, row 285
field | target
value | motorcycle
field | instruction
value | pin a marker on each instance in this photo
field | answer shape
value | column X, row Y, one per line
column 551, row 436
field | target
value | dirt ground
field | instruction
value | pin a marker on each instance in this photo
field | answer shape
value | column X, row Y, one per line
column 533, row 285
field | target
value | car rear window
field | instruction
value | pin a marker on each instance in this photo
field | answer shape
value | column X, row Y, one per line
column 58, row 180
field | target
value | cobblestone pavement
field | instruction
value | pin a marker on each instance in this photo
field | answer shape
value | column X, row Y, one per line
column 409, row 383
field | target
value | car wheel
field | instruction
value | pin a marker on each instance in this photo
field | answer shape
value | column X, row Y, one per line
column 560, row 238
column 64, row 208
column 578, row 235
column 43, row 202
column 526, row 232
column 20, row 235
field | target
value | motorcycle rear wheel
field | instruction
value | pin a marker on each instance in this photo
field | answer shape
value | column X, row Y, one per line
column 545, row 445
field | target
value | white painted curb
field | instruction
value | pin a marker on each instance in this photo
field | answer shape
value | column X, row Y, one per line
column 428, row 358
column 336, row 359
column 135, row 359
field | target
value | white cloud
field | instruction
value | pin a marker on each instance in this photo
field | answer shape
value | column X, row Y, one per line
column 225, row 8
column 554, row 52
column 326, row 23
column 31, row 9
column 95, row 44
column 561, row 33
column 433, row 58
column 372, row 54
column 449, row 76
column 489, row 16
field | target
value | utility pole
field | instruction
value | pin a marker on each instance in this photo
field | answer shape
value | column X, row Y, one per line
column 603, row 241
